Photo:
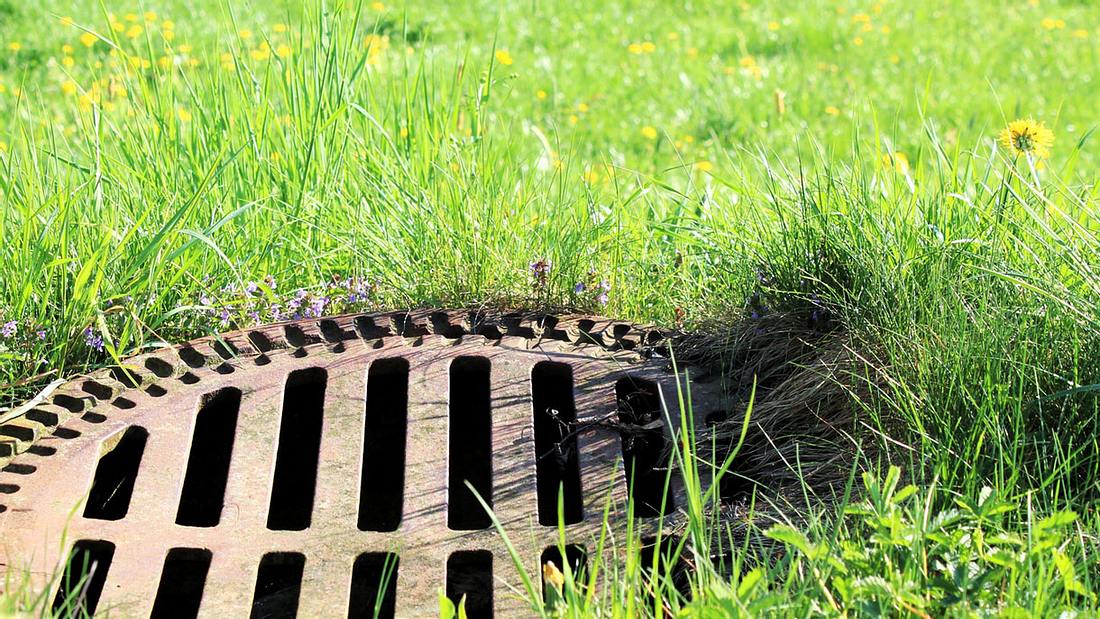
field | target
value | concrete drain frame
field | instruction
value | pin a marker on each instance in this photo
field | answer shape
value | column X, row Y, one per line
column 316, row 467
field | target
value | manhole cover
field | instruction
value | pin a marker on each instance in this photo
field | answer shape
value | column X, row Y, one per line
column 317, row 467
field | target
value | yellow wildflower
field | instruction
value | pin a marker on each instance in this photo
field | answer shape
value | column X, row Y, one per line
column 377, row 6
column 553, row 576
column 634, row 48
column 540, row 95
column 773, row 26
column 185, row 49
column 66, row 21
column 150, row 16
column 704, row 166
column 67, row 61
column 68, row 87
column 503, row 57
column 648, row 47
column 1028, row 137
column 131, row 17
column 15, row 46
column 1081, row 33
column 183, row 114
column 673, row 36
column 134, row 31
column 649, row 132
column 280, row 28
column 832, row 110
column 168, row 25
column 245, row 33
column 898, row 162
column 66, row 49
column 858, row 41
column 282, row 50
column 118, row 26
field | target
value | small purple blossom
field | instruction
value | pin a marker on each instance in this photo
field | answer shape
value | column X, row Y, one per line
column 602, row 298
column 251, row 288
column 9, row 328
column 223, row 317
column 300, row 294
column 579, row 288
column 93, row 340
column 605, row 285
column 41, row 333
column 276, row 312
column 255, row 317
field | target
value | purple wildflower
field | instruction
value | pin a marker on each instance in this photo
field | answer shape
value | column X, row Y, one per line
column 93, row 340
column 605, row 285
column 255, row 316
column 223, row 316
column 276, row 312
column 579, row 288
column 251, row 288
column 602, row 298
column 301, row 294
column 270, row 281
column 9, row 328
column 41, row 333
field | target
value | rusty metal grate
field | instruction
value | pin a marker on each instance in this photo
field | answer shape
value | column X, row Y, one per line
column 316, row 467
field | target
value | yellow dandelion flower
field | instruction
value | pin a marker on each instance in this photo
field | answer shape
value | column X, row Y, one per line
column 1081, row 33
column 131, row 17
column 15, row 46
column 703, row 166
column 858, row 41
column 377, row 6
column 692, row 52
column 590, row 176
column 674, row 36
column 1028, row 137
column 183, row 114
column 773, row 26
column 503, row 57
column 553, row 576
column 168, row 25
column 66, row 49
column 648, row 47
column 3, row 146
column 280, row 28
column 168, row 35
column 540, row 95
column 832, row 110
column 867, row 27
column 260, row 53
column 650, row 133
column 66, row 21
column 747, row 62
column 861, row 18
column 634, row 48
column 898, row 162
column 885, row 29
column 573, row 119
column 245, row 33
column 403, row 132
column 134, row 31
column 1050, row 23
column 894, row 58
column 118, row 26
column 67, row 61
column 282, row 50
column 150, row 16
column 68, row 87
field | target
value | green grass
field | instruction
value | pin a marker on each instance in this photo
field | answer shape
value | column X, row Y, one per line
column 424, row 165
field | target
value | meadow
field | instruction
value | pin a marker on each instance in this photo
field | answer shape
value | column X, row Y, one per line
column 173, row 169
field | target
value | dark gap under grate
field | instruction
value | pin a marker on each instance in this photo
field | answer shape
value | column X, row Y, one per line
column 208, row 463
column 645, row 454
column 557, row 466
column 83, row 579
column 470, row 574
column 295, row 479
column 113, row 482
column 278, row 586
column 374, row 586
column 181, row 583
column 382, row 483
column 470, row 444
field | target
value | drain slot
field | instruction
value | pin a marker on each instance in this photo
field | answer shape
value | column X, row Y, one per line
column 113, row 483
column 278, row 586
column 557, row 468
column 470, row 574
column 82, row 582
column 181, row 583
column 470, row 444
column 208, row 464
column 645, row 454
column 382, row 483
column 374, row 586
column 295, row 477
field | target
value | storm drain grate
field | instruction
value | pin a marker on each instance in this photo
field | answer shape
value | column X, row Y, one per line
column 318, row 468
